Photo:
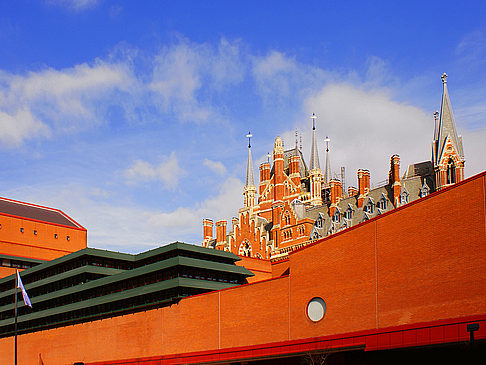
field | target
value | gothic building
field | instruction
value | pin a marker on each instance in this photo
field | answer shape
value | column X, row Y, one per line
column 298, row 204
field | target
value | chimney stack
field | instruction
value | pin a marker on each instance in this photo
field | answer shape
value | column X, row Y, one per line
column 352, row 191
column 264, row 177
column 220, row 234
column 336, row 194
column 363, row 186
column 207, row 231
column 394, row 179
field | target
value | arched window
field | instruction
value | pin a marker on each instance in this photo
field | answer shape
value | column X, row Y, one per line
column 451, row 171
column 245, row 249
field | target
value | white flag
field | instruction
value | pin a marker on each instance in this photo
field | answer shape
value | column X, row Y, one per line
column 24, row 292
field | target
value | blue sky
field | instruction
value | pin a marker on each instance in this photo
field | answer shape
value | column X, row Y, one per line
column 131, row 116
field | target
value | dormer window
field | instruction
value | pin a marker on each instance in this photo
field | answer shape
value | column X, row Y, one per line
column 336, row 217
column 404, row 197
column 319, row 222
column 348, row 213
column 381, row 204
column 368, row 208
column 424, row 190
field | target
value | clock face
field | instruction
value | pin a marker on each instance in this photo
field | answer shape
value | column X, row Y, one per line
column 316, row 309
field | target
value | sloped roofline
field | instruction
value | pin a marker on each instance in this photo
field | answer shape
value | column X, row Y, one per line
column 75, row 224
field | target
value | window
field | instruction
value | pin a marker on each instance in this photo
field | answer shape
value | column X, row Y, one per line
column 348, row 214
column 35, row 232
column 404, row 197
column 381, row 203
column 368, row 208
column 55, row 235
column 451, row 171
column 21, row 230
column 319, row 222
column 336, row 217
column 68, row 238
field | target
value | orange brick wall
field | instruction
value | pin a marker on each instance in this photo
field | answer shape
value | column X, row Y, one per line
column 422, row 262
column 261, row 268
column 42, row 246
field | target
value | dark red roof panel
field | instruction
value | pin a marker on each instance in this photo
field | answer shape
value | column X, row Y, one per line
column 36, row 212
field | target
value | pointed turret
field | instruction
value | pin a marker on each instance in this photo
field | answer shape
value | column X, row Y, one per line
column 314, row 158
column 447, row 127
column 315, row 175
column 250, row 188
column 447, row 150
column 249, row 164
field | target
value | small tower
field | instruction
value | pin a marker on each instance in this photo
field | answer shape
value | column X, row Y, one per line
column 315, row 175
column 327, row 169
column 249, row 192
column 447, row 151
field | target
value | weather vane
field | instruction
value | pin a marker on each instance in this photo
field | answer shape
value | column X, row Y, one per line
column 249, row 135
column 327, row 140
column 313, row 117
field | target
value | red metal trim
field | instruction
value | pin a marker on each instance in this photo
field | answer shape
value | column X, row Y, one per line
column 446, row 331
column 481, row 174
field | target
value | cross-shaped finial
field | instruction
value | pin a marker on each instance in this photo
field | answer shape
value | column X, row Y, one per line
column 327, row 140
column 249, row 135
column 436, row 115
column 444, row 78
column 314, row 117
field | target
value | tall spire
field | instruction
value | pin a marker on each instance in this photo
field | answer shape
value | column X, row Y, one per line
column 249, row 166
column 327, row 170
column 447, row 151
column 446, row 127
column 314, row 158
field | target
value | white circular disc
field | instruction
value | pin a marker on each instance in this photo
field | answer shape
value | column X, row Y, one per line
column 316, row 309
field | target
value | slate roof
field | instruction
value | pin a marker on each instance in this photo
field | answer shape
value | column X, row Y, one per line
column 36, row 212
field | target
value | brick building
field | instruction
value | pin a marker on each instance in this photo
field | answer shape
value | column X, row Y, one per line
column 298, row 204
column 31, row 234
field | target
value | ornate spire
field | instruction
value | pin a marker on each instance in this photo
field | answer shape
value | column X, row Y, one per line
column 327, row 170
column 314, row 158
column 249, row 165
column 446, row 126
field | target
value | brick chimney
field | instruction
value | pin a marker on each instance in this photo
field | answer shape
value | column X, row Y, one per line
column 294, row 170
column 207, row 231
column 336, row 194
column 394, row 179
column 264, row 177
column 352, row 191
column 363, row 186
column 220, row 234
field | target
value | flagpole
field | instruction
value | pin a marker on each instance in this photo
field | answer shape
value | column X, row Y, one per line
column 16, row 285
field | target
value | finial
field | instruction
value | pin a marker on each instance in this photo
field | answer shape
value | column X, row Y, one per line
column 313, row 117
column 436, row 115
column 444, row 78
column 249, row 135
column 300, row 141
column 327, row 140
column 268, row 157
column 296, row 139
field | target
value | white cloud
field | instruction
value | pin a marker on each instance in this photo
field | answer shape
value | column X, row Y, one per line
column 168, row 172
column 216, row 166
column 187, row 220
column 366, row 127
column 50, row 101
column 75, row 5
column 183, row 73
column 20, row 125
